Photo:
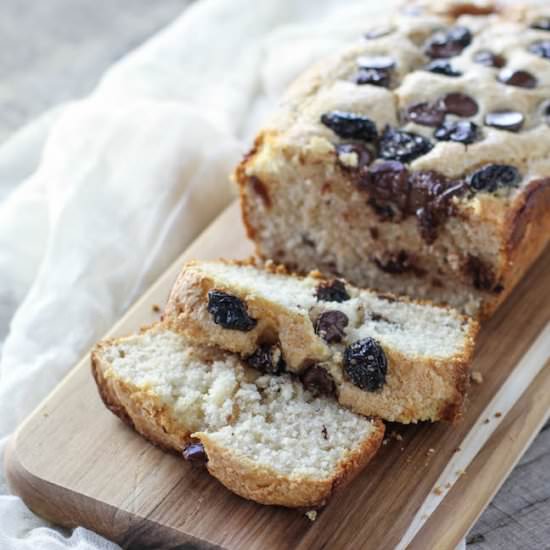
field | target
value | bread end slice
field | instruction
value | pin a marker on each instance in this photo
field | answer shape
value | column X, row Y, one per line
column 266, row 438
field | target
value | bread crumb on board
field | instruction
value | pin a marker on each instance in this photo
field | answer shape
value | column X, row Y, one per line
column 311, row 515
column 476, row 377
column 438, row 490
column 498, row 414
column 156, row 308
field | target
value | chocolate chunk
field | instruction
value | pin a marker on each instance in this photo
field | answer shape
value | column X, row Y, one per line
column 461, row 131
column 365, row 364
column 541, row 48
column 382, row 62
column 441, row 66
column 393, row 191
column 402, row 146
column 458, row 104
column 426, row 114
column 332, row 291
column 489, row 59
column 482, row 275
column 385, row 212
column 378, row 318
column 330, row 326
column 388, row 182
column 374, row 77
column 195, row 453
column 426, row 186
column 229, row 311
column 261, row 190
column 267, row 359
column 318, row 381
column 521, row 79
column 495, row 176
column 428, row 223
column 541, row 24
column 431, row 201
column 375, row 70
column 448, row 43
column 505, row 120
column 358, row 151
column 350, row 125
column 400, row 263
column 307, row 241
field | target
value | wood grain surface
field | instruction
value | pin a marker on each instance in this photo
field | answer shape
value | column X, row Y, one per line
column 75, row 463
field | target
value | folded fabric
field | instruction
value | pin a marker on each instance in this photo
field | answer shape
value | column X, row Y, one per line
column 100, row 196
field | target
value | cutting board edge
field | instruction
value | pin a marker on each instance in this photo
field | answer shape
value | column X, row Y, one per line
column 422, row 538
column 38, row 494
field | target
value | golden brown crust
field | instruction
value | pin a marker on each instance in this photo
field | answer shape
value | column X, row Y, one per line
column 416, row 388
column 240, row 177
column 525, row 234
column 145, row 412
column 139, row 409
column 266, row 486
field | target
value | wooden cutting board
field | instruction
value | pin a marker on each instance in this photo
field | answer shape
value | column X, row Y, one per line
column 74, row 463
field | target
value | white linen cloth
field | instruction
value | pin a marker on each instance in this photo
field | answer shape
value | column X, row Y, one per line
column 99, row 196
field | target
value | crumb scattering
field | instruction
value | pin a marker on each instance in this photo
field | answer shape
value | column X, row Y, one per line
column 498, row 414
column 477, row 377
column 311, row 515
column 486, row 421
column 155, row 308
column 438, row 490
column 396, row 436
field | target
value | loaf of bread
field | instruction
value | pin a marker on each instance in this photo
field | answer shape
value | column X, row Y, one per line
column 380, row 355
column 416, row 161
column 263, row 436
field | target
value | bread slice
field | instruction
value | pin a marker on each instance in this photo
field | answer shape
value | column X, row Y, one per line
column 264, row 437
column 400, row 360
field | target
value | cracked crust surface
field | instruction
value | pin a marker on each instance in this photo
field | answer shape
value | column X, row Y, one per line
column 303, row 209
column 419, row 386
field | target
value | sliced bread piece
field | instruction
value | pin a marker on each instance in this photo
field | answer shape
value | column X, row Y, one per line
column 263, row 436
column 400, row 360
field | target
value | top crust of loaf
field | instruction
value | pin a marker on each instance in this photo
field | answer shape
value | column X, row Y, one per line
column 174, row 393
column 426, row 380
column 514, row 235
